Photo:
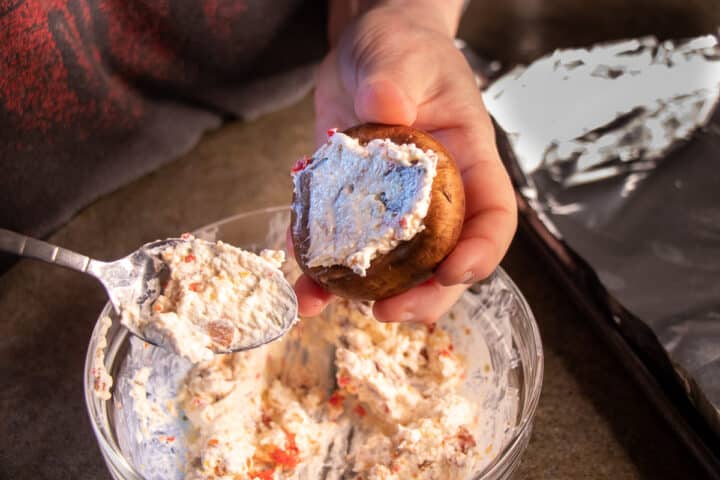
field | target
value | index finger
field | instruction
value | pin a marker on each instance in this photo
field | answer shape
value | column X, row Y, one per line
column 490, row 209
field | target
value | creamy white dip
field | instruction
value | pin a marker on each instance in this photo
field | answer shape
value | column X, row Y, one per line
column 218, row 298
column 396, row 388
column 364, row 200
column 339, row 396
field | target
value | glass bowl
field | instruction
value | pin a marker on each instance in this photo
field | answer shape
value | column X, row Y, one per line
column 518, row 358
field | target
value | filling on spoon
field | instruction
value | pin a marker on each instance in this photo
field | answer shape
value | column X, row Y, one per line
column 218, row 298
column 364, row 199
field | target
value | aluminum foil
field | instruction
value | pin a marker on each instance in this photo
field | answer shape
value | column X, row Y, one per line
column 617, row 152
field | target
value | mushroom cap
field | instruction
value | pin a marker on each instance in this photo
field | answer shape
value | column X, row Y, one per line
column 411, row 262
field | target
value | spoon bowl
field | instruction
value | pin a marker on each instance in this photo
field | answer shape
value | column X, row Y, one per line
column 137, row 279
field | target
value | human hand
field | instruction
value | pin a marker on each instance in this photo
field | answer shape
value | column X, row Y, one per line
column 390, row 68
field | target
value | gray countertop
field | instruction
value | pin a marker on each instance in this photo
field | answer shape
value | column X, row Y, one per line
column 592, row 421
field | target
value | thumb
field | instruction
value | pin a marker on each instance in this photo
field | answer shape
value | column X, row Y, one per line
column 381, row 73
column 380, row 99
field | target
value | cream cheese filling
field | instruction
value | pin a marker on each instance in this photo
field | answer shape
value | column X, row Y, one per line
column 259, row 415
column 218, row 298
column 365, row 199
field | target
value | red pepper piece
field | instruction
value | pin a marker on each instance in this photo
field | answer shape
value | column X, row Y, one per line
column 343, row 381
column 301, row 164
column 263, row 475
column 336, row 399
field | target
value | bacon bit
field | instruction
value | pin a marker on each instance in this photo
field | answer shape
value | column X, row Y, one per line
column 466, row 439
column 451, row 347
column 403, row 222
column 424, row 353
column 194, row 286
column 424, row 465
column 189, row 258
column 263, row 475
column 444, row 353
column 343, row 381
column 395, row 468
column 220, row 470
column 213, row 442
column 301, row 164
column 186, row 236
column 387, row 409
column 157, row 307
column 221, row 333
column 331, row 132
column 336, row 399
column 266, row 419
column 170, row 439
column 359, row 410
column 431, row 328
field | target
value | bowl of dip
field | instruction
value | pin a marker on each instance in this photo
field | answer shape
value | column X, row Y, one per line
column 341, row 394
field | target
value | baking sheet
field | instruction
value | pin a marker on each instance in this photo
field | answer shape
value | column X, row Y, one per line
column 616, row 150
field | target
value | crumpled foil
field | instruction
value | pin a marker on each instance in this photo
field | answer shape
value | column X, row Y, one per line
column 617, row 152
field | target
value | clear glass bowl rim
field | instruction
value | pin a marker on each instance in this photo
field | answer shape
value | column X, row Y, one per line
column 505, row 460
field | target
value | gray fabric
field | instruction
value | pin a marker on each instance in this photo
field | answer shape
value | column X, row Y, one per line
column 49, row 174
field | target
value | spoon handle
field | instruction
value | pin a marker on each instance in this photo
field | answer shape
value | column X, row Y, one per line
column 24, row 246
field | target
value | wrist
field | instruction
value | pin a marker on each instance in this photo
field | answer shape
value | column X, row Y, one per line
column 442, row 16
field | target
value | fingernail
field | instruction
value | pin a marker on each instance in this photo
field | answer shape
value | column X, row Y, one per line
column 468, row 277
column 407, row 317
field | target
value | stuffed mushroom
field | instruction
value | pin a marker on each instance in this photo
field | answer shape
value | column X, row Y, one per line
column 375, row 210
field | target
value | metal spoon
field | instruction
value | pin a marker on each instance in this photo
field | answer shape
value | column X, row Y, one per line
column 135, row 279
